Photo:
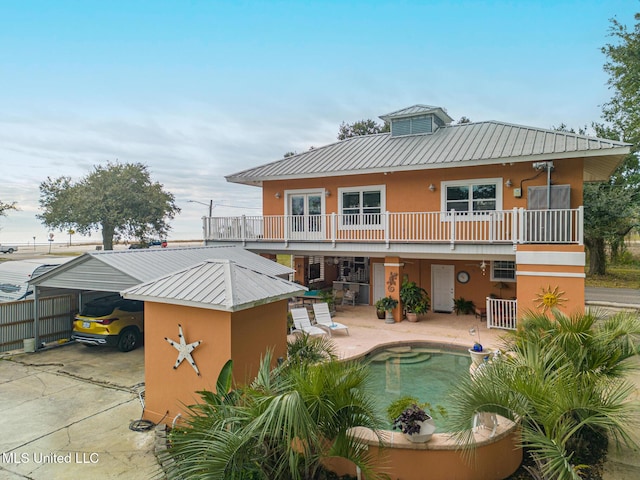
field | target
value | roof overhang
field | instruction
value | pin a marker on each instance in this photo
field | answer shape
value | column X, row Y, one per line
column 598, row 166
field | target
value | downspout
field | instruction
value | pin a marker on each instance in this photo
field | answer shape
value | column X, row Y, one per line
column 549, row 168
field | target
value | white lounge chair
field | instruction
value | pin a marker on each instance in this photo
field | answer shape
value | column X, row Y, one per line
column 324, row 320
column 302, row 323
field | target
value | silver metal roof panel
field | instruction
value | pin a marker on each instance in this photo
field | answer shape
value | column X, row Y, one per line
column 116, row 270
column 479, row 143
column 217, row 284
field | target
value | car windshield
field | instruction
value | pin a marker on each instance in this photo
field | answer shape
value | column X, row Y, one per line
column 100, row 307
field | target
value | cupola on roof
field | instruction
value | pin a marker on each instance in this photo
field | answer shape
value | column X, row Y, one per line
column 417, row 119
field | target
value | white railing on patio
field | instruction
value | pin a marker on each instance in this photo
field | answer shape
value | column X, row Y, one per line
column 502, row 313
column 504, row 226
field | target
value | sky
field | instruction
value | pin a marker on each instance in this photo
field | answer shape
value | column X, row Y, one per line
column 197, row 90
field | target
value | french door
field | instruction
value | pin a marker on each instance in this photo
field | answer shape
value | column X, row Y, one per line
column 306, row 221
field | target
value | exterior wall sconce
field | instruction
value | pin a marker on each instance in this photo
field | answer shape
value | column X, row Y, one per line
column 508, row 183
column 327, row 193
column 278, row 195
column 432, row 187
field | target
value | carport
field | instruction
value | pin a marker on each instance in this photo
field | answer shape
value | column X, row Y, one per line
column 114, row 271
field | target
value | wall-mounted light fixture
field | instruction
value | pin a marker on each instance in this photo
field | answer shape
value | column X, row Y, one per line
column 327, row 193
column 508, row 183
column 432, row 187
column 278, row 195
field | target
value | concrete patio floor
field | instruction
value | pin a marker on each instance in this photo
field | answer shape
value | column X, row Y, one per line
column 367, row 332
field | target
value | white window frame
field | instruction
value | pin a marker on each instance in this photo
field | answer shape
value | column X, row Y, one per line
column 306, row 191
column 471, row 215
column 499, row 279
column 361, row 189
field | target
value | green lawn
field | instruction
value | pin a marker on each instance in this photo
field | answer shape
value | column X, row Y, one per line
column 618, row 276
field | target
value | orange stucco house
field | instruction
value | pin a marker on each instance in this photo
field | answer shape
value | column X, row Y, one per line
column 476, row 210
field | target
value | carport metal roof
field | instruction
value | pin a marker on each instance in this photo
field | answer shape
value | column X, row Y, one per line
column 217, row 285
column 115, row 271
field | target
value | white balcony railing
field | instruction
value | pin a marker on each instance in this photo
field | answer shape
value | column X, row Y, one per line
column 505, row 226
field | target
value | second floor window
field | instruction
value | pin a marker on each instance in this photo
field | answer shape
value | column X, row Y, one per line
column 471, row 196
column 361, row 206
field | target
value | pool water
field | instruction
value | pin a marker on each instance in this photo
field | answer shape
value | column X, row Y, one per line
column 424, row 372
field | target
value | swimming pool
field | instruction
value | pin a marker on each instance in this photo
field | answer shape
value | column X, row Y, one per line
column 427, row 372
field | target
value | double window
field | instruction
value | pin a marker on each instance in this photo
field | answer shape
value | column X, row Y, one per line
column 361, row 206
column 472, row 195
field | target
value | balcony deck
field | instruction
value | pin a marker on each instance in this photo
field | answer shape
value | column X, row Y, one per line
column 506, row 227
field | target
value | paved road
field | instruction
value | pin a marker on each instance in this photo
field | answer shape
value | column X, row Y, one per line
column 625, row 296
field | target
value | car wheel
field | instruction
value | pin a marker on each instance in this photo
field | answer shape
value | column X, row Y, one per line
column 11, row 250
column 128, row 340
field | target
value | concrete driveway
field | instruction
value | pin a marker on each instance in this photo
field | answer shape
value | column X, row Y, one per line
column 66, row 414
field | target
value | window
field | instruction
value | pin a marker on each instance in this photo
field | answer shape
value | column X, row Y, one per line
column 503, row 270
column 472, row 195
column 361, row 207
column 315, row 269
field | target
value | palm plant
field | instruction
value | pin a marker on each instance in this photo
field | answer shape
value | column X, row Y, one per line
column 563, row 380
column 281, row 426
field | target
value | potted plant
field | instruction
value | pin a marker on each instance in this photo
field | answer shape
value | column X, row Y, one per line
column 412, row 418
column 462, row 306
column 380, row 311
column 419, row 309
column 328, row 296
column 388, row 304
column 414, row 297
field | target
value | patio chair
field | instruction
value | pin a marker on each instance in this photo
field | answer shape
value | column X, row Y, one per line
column 324, row 320
column 349, row 296
column 302, row 323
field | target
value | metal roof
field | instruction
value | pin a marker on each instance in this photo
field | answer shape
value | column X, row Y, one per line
column 468, row 144
column 416, row 110
column 116, row 270
column 217, row 285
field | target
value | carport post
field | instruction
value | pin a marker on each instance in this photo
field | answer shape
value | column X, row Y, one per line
column 36, row 318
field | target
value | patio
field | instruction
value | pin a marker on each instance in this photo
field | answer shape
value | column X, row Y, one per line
column 366, row 331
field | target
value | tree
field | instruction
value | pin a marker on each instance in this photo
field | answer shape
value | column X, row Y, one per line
column 623, row 67
column 610, row 208
column 610, row 212
column 563, row 380
column 5, row 207
column 282, row 425
column 118, row 199
column 362, row 127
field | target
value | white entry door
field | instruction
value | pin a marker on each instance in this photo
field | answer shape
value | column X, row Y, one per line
column 442, row 284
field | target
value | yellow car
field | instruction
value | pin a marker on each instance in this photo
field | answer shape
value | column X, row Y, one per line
column 112, row 321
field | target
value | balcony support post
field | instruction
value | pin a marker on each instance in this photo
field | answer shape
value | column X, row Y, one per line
column 386, row 229
column 334, row 228
column 580, row 226
column 453, row 229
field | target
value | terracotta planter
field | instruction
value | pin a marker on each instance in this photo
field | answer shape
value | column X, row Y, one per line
column 412, row 317
column 381, row 314
column 427, row 428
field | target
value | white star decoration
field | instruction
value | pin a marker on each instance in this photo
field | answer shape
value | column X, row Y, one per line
column 184, row 350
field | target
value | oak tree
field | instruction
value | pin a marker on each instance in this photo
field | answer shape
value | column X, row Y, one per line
column 120, row 200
